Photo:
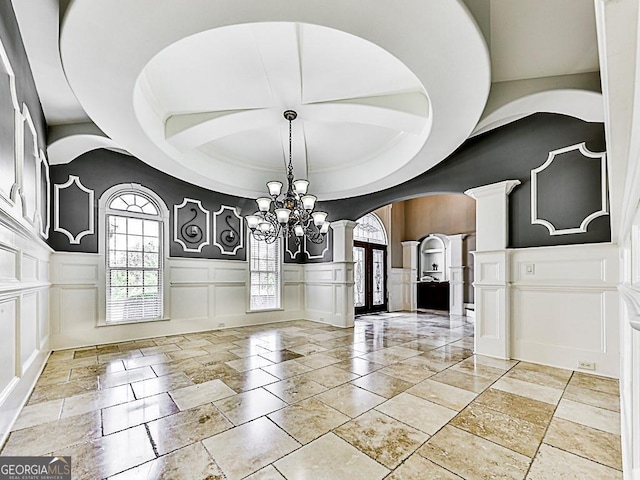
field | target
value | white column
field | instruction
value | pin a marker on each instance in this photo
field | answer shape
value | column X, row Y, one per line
column 491, row 282
column 456, row 275
column 343, row 309
column 410, row 275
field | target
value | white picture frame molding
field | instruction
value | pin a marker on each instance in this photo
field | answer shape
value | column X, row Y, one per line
column 288, row 250
column 240, row 245
column 44, row 216
column 74, row 240
column 582, row 148
column 30, row 216
column 206, row 236
column 14, row 190
column 324, row 250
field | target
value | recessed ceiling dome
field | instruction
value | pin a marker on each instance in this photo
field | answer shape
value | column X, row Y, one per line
column 218, row 98
column 202, row 98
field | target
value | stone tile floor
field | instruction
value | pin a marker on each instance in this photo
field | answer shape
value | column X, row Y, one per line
column 399, row 396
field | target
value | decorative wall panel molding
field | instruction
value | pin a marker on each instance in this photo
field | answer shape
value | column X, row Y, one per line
column 73, row 186
column 10, row 133
column 44, row 195
column 28, row 168
column 288, row 245
column 314, row 251
column 191, row 225
column 228, row 230
column 584, row 223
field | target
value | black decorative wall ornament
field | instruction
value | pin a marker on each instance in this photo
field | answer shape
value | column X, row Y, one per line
column 191, row 225
column 228, row 230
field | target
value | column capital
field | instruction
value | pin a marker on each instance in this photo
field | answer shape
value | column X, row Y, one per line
column 504, row 188
column 343, row 224
column 410, row 243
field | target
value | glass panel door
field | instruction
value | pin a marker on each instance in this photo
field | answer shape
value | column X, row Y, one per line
column 359, row 276
column 370, row 291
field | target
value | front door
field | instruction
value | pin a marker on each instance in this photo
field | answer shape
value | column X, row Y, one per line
column 370, row 276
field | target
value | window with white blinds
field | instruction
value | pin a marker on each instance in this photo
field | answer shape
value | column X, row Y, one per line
column 265, row 268
column 134, row 259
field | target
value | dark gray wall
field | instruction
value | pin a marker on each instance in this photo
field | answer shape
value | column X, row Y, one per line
column 99, row 170
column 508, row 153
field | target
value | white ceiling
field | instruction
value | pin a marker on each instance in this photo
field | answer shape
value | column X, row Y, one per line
column 382, row 94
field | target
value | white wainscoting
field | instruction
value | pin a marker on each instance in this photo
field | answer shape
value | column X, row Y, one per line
column 201, row 295
column 24, row 315
column 328, row 293
column 396, row 289
column 564, row 306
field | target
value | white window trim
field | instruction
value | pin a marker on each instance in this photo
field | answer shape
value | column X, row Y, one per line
column 103, row 202
column 250, row 239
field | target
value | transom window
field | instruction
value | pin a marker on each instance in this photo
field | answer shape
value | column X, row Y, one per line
column 264, row 267
column 133, row 259
column 370, row 229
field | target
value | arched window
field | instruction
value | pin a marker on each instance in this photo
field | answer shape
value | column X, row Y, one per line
column 370, row 229
column 134, row 230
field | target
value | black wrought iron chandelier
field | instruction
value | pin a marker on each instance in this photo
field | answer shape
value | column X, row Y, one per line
column 290, row 215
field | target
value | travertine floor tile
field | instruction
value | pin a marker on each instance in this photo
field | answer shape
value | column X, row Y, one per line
column 517, row 406
column 462, row 380
column 191, row 462
column 511, row 432
column 587, row 442
column 419, row 468
column 109, row 455
column 194, row 395
column 249, row 405
column 594, row 382
column 267, row 473
column 417, row 412
column 593, row 417
column 473, row 457
column 446, row 395
column 330, row 376
column 48, row 437
column 309, row 419
column 594, row 398
column 286, row 369
column 556, row 464
column 381, row 384
column 249, row 447
column 294, row 389
column 87, row 402
column 350, row 400
column 137, row 412
column 383, row 438
column 330, row 457
column 184, row 428
column 38, row 413
column 165, row 383
column 525, row 389
column 109, row 380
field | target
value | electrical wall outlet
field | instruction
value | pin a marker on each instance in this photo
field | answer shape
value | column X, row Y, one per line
column 584, row 365
column 529, row 269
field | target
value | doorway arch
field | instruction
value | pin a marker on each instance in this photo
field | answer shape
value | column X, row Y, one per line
column 370, row 241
